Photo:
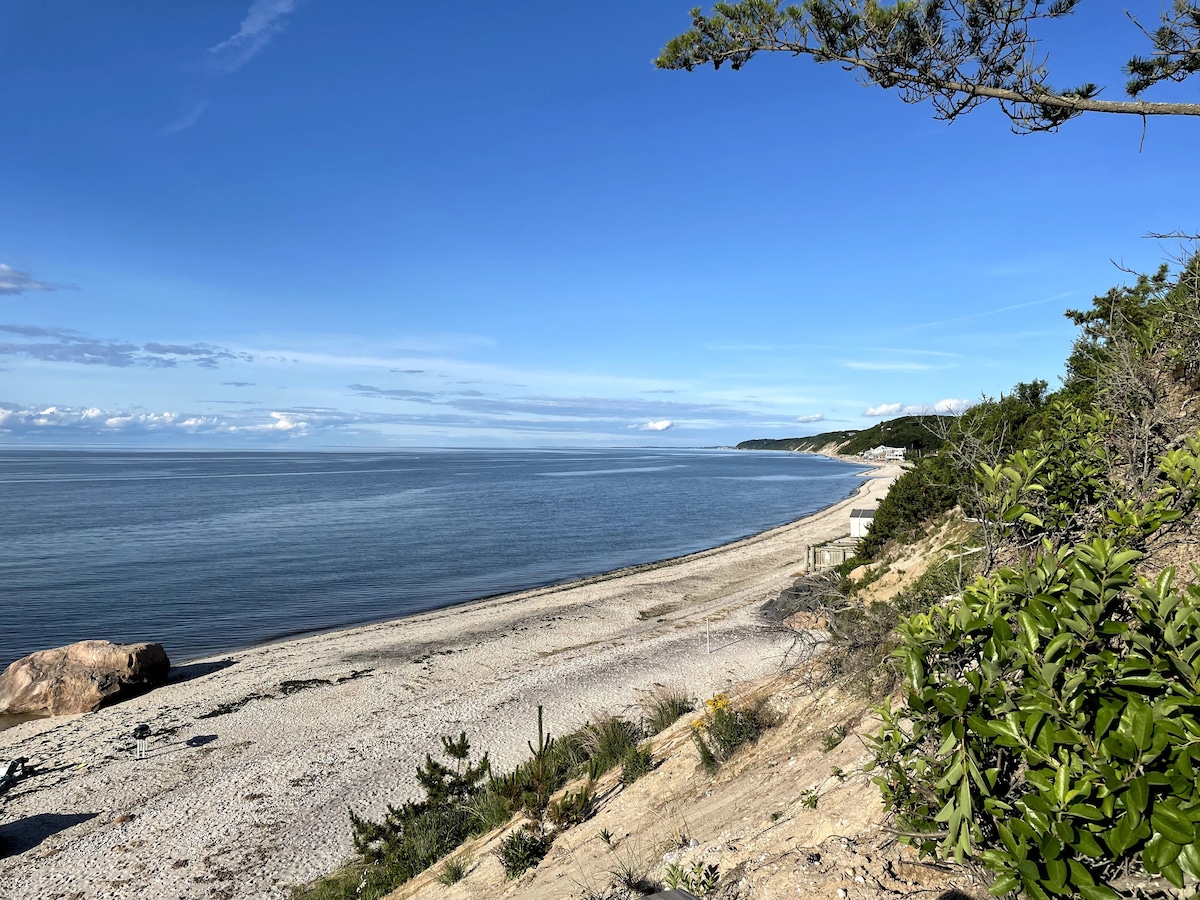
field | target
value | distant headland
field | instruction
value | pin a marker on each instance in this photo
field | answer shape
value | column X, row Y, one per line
column 916, row 434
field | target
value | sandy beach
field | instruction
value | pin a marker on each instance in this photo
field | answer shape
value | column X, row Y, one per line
column 256, row 757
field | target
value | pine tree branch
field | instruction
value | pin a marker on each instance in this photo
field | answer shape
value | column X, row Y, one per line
column 955, row 53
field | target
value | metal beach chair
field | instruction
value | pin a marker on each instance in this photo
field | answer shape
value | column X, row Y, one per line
column 14, row 771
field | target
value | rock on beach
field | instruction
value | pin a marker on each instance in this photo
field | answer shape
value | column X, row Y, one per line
column 80, row 677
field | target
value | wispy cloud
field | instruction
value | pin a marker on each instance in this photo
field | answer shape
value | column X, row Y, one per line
column 66, row 424
column 263, row 21
column 239, row 384
column 14, row 281
column 369, row 390
column 68, row 345
column 819, row 417
column 189, row 118
column 879, row 366
column 948, row 406
column 999, row 310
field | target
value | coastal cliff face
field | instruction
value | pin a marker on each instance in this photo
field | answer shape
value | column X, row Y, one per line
column 80, row 677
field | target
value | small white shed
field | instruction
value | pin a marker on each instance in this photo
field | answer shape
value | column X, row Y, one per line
column 860, row 522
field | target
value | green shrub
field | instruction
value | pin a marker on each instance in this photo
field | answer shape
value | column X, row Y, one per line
column 1051, row 729
column 708, row 759
column 523, row 849
column 724, row 728
column 699, row 878
column 931, row 487
column 572, row 808
column 863, row 637
column 459, row 805
column 833, row 738
column 414, row 836
column 638, row 761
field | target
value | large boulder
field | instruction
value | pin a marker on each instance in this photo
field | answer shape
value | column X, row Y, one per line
column 80, row 677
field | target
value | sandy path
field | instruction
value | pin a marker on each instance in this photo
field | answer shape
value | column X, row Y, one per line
column 252, row 800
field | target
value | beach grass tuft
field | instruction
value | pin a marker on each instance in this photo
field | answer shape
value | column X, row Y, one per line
column 664, row 706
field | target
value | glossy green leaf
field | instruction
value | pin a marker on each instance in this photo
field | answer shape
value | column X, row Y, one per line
column 1174, row 874
column 1056, row 874
column 1171, row 823
column 1137, row 795
column 1085, row 842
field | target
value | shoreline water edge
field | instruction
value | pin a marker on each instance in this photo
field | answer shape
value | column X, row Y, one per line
column 255, row 756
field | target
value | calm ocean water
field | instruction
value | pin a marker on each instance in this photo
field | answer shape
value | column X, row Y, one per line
column 211, row 552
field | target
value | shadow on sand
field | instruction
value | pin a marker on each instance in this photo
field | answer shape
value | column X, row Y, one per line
column 25, row 834
column 196, row 670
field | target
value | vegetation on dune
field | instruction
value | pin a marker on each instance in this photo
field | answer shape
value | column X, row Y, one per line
column 1050, row 725
column 725, row 728
column 464, row 798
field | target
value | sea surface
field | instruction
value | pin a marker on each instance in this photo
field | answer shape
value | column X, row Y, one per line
column 213, row 552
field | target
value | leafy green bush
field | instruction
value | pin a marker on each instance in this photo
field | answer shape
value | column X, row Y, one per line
column 523, row 849
column 1051, row 728
column 863, row 636
column 724, row 728
column 699, row 878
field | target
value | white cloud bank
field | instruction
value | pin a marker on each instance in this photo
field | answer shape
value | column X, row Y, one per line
column 660, row 425
column 804, row 420
column 92, row 420
column 950, row 406
column 54, row 423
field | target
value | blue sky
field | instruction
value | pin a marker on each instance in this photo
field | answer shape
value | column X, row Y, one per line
column 311, row 224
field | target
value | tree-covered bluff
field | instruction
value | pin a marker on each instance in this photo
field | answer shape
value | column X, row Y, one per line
column 917, row 434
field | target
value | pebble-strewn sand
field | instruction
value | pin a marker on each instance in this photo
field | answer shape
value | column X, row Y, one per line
column 252, row 801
